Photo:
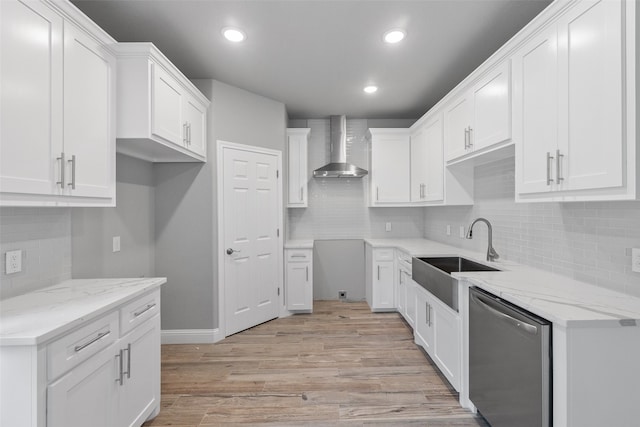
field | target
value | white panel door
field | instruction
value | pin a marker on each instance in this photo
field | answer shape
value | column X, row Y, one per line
column 535, row 95
column 251, row 216
column 31, row 98
column 590, row 132
column 166, row 102
column 88, row 120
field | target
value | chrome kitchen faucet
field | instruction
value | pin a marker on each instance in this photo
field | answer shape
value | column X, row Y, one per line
column 492, row 255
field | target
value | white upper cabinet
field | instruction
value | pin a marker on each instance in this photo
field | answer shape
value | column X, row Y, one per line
column 481, row 116
column 161, row 114
column 297, row 146
column 573, row 117
column 427, row 163
column 57, row 123
column 390, row 167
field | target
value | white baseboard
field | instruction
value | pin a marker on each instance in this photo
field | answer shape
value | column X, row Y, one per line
column 190, row 336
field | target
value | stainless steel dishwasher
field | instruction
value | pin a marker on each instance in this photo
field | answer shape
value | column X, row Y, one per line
column 509, row 362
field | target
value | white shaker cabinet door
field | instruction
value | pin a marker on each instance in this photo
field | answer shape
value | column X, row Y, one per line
column 89, row 131
column 86, row 395
column 492, row 108
column 141, row 389
column 591, row 91
column 195, row 116
column 434, row 187
column 383, row 285
column 457, row 120
column 535, row 94
column 31, row 98
column 166, row 105
column 299, row 286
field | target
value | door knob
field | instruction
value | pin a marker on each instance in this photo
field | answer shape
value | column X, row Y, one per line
column 231, row 251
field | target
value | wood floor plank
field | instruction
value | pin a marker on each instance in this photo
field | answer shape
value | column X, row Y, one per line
column 341, row 365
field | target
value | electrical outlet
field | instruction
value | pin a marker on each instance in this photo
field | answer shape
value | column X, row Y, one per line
column 462, row 231
column 635, row 260
column 342, row 294
column 116, row 243
column 387, row 226
column 13, row 262
column 448, row 230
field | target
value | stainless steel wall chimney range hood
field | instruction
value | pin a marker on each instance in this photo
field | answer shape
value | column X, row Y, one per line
column 338, row 166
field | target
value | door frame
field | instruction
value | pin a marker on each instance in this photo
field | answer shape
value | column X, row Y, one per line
column 221, row 146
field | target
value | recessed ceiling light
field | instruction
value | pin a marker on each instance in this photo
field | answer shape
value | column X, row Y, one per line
column 394, row 36
column 233, row 34
column 371, row 89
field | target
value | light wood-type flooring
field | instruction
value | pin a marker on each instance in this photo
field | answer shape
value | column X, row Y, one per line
column 340, row 365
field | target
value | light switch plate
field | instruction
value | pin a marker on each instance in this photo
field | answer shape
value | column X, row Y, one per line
column 116, row 243
column 13, row 262
column 635, row 260
column 387, row 226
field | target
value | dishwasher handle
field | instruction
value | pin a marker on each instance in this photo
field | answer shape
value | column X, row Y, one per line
column 485, row 303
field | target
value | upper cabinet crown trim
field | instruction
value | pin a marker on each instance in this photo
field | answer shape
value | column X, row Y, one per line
column 149, row 50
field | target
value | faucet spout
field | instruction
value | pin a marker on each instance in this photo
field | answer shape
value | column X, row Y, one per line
column 492, row 255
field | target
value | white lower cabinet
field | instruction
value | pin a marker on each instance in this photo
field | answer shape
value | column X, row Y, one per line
column 438, row 331
column 379, row 278
column 103, row 373
column 410, row 305
column 299, row 279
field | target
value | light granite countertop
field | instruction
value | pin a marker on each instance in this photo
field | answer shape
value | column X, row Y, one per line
column 299, row 244
column 38, row 316
column 561, row 300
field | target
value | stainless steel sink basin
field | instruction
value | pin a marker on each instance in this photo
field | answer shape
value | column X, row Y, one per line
column 434, row 274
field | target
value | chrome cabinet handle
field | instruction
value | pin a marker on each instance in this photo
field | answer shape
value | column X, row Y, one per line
column 307, row 273
column 301, row 193
column 120, row 378
column 549, row 158
column 296, row 255
column 427, row 313
column 87, row 344
column 230, row 251
column 128, row 371
column 189, row 133
column 378, row 272
column 73, row 172
column 62, row 167
column 144, row 310
column 466, row 138
column 470, row 137
column 377, row 194
column 558, row 161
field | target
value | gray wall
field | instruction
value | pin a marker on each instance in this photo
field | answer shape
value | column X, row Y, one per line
column 588, row 241
column 338, row 265
column 186, row 204
column 93, row 229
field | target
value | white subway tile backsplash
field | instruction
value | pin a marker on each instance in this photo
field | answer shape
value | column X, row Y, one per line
column 584, row 240
column 44, row 236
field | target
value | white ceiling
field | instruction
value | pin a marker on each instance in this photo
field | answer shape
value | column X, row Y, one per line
column 316, row 56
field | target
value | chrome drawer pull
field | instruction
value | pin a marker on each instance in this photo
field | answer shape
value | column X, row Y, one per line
column 73, row 172
column 558, row 161
column 128, row 350
column 83, row 346
column 298, row 256
column 63, row 164
column 549, row 158
column 120, row 378
column 144, row 310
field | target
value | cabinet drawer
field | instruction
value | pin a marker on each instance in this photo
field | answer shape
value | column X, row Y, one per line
column 404, row 260
column 383, row 254
column 77, row 346
column 139, row 310
column 299, row 255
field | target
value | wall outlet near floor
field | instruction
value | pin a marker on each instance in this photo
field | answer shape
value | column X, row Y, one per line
column 13, row 262
column 387, row 226
column 342, row 295
column 448, row 230
column 635, row 260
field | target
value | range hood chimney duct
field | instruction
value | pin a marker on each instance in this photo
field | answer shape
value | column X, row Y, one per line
column 338, row 166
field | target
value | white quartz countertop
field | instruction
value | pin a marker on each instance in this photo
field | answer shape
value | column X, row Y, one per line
column 38, row 316
column 559, row 299
column 298, row 244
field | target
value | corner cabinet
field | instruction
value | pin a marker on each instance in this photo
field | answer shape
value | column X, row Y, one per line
column 379, row 278
column 297, row 147
column 575, row 106
column 162, row 116
column 299, row 280
column 481, row 116
column 58, row 139
column 390, row 155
